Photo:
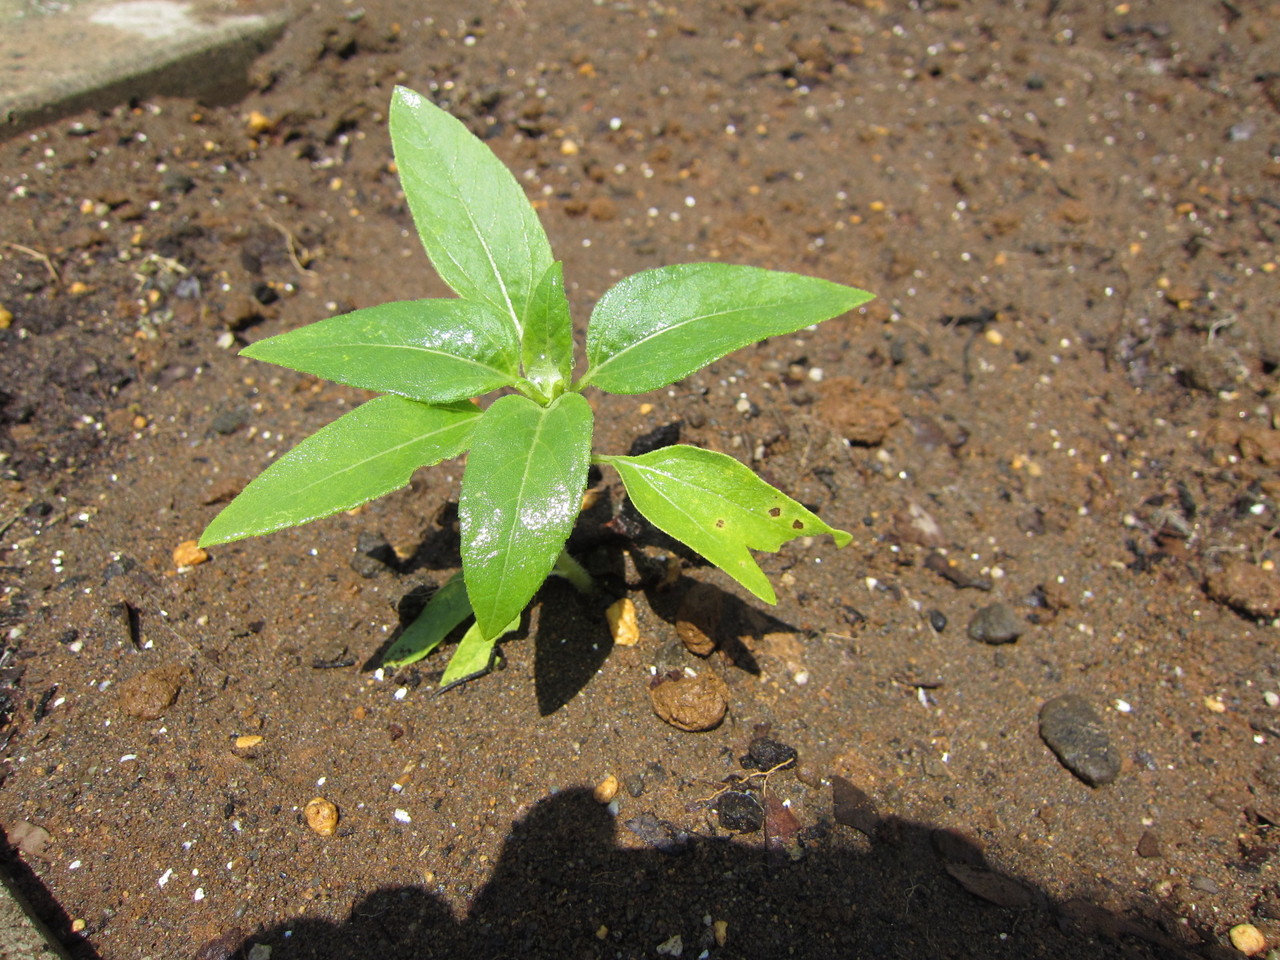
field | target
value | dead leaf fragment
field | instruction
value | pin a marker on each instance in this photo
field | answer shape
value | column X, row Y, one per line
column 990, row 886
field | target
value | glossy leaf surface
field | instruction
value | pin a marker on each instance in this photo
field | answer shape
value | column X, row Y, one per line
column 717, row 506
column 429, row 350
column 474, row 654
column 658, row 326
column 547, row 345
column 476, row 223
column 521, row 493
column 363, row 454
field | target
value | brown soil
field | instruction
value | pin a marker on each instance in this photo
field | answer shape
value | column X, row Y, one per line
column 1063, row 400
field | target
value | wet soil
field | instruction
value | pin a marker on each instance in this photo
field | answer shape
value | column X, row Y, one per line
column 1062, row 401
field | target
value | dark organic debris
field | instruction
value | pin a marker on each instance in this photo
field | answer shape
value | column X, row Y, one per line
column 991, row 886
column 950, row 571
column 656, row 439
column 782, row 830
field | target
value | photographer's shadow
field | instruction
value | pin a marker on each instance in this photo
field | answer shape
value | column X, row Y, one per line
column 563, row 889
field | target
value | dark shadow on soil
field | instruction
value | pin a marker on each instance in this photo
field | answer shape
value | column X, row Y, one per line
column 563, row 888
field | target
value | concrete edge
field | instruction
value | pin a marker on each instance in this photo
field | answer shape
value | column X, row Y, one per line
column 212, row 68
column 23, row 936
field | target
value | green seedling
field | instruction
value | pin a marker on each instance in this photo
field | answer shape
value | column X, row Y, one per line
column 529, row 450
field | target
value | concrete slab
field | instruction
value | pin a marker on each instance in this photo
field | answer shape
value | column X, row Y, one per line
column 60, row 57
column 22, row 935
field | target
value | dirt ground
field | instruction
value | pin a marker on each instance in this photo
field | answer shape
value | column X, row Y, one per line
column 1062, row 401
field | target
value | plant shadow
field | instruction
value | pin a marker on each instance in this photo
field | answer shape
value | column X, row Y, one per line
column 564, row 887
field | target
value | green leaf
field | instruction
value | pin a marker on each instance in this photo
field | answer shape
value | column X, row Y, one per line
column 657, row 326
column 363, row 454
column 474, row 654
column 717, row 506
column 521, row 493
column 547, row 345
column 447, row 608
column 477, row 225
column 429, row 350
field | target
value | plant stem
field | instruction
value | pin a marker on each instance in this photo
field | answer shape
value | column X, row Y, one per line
column 574, row 572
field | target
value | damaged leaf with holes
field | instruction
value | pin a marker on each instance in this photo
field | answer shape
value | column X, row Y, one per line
column 509, row 328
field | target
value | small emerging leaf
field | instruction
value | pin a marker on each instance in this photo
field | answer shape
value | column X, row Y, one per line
column 547, row 345
column 429, row 350
column 474, row 654
column 658, row 326
column 521, row 493
column 477, row 226
column 363, row 454
column 718, row 507
column 447, row 608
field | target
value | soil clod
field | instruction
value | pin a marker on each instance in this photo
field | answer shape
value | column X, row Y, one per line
column 147, row 695
column 690, row 703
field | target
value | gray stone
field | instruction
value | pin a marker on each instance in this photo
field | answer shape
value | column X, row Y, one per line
column 996, row 623
column 1071, row 728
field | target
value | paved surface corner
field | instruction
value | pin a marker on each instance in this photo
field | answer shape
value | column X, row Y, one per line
column 100, row 53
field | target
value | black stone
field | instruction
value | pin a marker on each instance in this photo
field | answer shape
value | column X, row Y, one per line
column 768, row 754
column 739, row 812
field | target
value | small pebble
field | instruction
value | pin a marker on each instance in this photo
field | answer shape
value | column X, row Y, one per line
column 189, row 553
column 996, row 624
column 720, row 929
column 248, row 741
column 1071, row 728
column 1248, row 939
column 321, row 816
column 670, row 948
column 606, row 789
column 1205, row 884
column 623, row 623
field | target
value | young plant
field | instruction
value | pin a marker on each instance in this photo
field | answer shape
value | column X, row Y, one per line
column 528, row 451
